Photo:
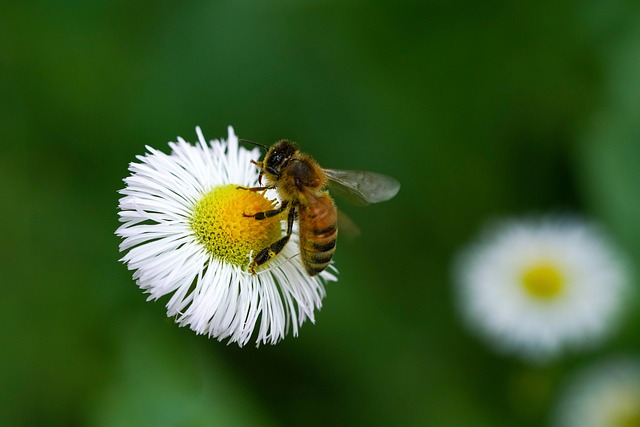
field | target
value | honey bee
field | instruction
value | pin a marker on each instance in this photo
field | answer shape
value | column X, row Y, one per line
column 302, row 189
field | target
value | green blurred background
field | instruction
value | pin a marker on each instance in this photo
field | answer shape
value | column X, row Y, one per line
column 481, row 109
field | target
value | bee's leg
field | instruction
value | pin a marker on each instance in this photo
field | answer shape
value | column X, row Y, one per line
column 268, row 214
column 254, row 188
column 274, row 249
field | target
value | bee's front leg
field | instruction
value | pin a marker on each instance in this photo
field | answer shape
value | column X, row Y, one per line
column 254, row 188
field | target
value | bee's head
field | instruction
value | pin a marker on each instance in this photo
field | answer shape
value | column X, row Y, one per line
column 277, row 157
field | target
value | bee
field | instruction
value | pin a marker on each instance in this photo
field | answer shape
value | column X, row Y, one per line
column 301, row 185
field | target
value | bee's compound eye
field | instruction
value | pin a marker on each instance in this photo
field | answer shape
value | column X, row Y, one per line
column 275, row 159
column 278, row 156
column 272, row 171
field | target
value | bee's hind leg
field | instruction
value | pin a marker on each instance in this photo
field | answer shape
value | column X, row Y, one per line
column 276, row 247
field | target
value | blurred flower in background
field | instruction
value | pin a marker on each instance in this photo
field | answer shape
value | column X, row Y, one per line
column 605, row 395
column 535, row 287
column 186, row 235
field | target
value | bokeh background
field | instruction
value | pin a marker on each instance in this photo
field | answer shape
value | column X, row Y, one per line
column 481, row 109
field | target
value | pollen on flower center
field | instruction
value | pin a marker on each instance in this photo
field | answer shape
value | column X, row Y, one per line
column 631, row 419
column 543, row 281
column 220, row 226
column 628, row 413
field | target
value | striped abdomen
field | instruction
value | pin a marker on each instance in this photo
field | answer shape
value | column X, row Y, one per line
column 318, row 233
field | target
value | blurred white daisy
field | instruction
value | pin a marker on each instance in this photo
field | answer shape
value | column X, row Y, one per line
column 536, row 287
column 604, row 395
column 185, row 235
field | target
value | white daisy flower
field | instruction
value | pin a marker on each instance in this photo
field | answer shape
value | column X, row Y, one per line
column 604, row 395
column 185, row 235
column 536, row 287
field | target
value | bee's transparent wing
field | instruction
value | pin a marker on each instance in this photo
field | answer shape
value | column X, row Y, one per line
column 347, row 227
column 361, row 187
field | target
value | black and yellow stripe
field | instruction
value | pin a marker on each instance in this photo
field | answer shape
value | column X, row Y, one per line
column 317, row 247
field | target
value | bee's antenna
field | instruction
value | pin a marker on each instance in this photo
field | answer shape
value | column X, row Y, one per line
column 255, row 143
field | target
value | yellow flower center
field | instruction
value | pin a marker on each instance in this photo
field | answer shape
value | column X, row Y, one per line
column 219, row 224
column 543, row 281
column 628, row 412
column 628, row 420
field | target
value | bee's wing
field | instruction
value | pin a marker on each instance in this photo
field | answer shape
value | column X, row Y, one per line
column 346, row 226
column 362, row 187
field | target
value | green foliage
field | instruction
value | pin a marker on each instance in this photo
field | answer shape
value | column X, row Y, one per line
column 480, row 109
